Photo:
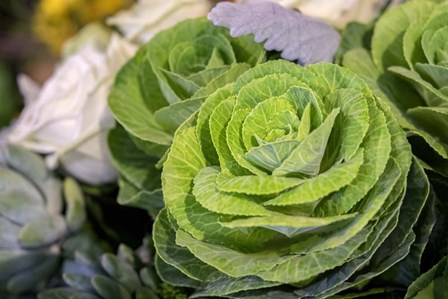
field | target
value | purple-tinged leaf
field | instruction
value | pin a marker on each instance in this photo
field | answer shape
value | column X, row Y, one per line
column 298, row 37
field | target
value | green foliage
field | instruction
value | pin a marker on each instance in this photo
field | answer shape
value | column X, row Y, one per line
column 432, row 284
column 157, row 90
column 90, row 272
column 291, row 176
column 33, row 221
column 167, row 291
column 408, row 67
column 9, row 98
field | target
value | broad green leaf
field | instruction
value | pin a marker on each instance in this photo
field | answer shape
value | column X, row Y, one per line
column 291, row 226
column 306, row 158
column 432, row 96
column 305, row 123
column 270, row 155
column 230, row 261
column 206, row 50
column 315, row 188
column 182, row 86
column 376, row 152
column 434, row 73
column 227, row 285
column 182, row 259
column 203, row 121
column 217, row 125
column 330, row 77
column 149, row 200
column 298, row 268
column 135, row 165
column 387, row 40
column 235, row 143
column 150, row 148
column 136, row 118
column 222, row 80
column 208, row 195
column 255, row 185
column 271, row 68
column 339, row 276
column 354, row 35
column 434, row 120
column 423, row 286
column 434, row 34
column 263, row 88
column 412, row 43
column 410, row 212
column 354, row 120
column 172, row 275
column 375, row 199
column 203, row 78
column 171, row 117
column 388, row 87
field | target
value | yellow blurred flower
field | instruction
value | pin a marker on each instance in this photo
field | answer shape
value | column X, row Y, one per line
column 56, row 20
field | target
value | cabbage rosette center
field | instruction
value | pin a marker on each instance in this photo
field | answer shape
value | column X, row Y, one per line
column 283, row 176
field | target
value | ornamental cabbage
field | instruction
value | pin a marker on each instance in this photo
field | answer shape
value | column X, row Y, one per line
column 162, row 86
column 291, row 176
column 408, row 65
column 68, row 118
column 169, row 77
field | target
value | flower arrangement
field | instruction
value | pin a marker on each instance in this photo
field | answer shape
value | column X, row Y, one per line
column 233, row 149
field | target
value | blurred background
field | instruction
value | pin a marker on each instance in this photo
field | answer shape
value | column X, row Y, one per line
column 31, row 37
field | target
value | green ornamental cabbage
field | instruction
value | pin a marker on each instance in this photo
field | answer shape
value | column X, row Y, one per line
column 32, row 224
column 166, row 81
column 291, row 176
column 170, row 76
column 408, row 65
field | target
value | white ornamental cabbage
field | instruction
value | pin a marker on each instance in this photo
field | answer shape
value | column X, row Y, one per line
column 147, row 17
column 68, row 119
